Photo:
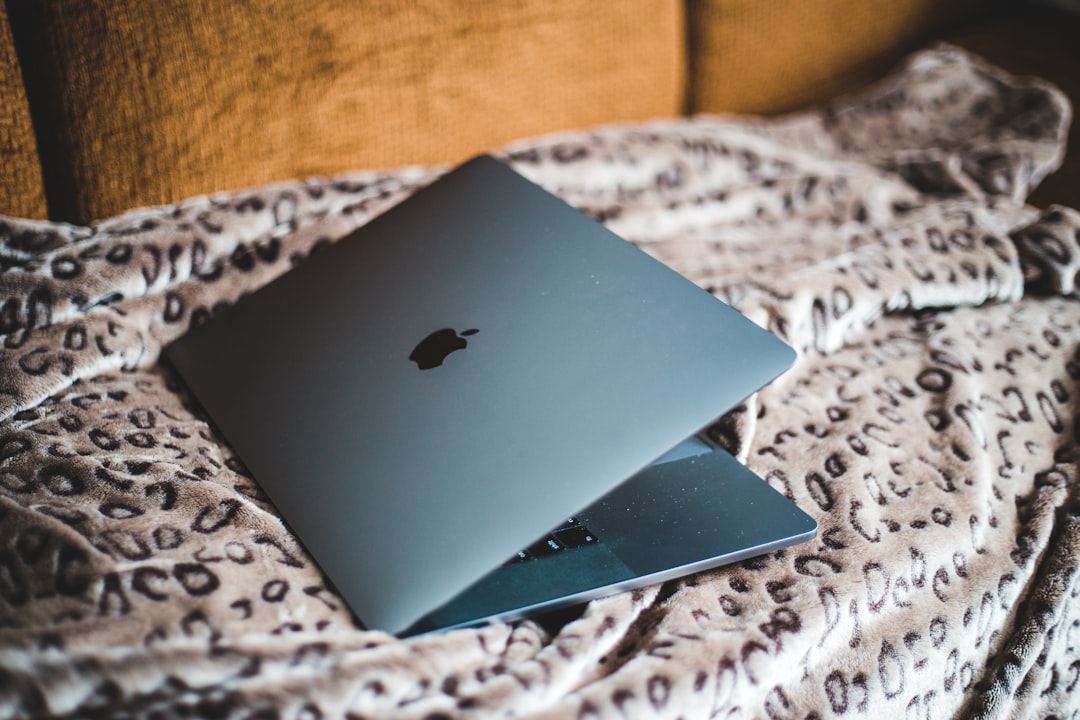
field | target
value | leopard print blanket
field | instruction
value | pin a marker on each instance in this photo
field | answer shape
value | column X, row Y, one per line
column 931, row 426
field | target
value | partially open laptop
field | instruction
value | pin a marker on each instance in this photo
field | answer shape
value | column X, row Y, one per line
column 483, row 404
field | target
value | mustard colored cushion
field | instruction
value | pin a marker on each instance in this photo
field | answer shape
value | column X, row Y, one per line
column 765, row 57
column 21, row 191
column 157, row 101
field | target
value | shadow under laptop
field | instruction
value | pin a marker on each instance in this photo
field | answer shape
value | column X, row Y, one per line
column 554, row 621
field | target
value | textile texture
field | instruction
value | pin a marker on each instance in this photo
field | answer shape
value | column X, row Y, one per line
column 23, row 193
column 930, row 425
column 149, row 103
column 754, row 57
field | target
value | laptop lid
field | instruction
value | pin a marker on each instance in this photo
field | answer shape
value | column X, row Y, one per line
column 439, row 388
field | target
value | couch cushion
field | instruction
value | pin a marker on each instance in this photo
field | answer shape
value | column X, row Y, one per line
column 157, row 101
column 21, row 191
column 765, row 57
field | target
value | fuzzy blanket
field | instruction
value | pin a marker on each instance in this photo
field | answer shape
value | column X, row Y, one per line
column 930, row 425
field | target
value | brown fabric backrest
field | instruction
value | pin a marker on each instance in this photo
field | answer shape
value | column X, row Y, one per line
column 150, row 102
column 21, row 191
column 749, row 56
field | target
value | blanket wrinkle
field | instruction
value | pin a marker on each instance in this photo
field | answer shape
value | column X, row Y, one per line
column 1006, row 137
column 930, row 426
column 1013, row 683
column 1050, row 250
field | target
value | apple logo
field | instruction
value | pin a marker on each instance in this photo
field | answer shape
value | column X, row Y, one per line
column 432, row 350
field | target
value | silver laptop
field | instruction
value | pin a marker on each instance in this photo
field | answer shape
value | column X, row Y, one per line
column 483, row 405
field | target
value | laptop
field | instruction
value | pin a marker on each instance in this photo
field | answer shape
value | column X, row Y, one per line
column 482, row 405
